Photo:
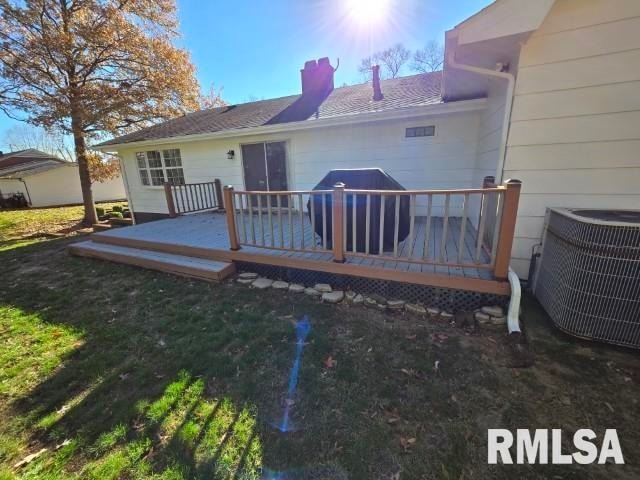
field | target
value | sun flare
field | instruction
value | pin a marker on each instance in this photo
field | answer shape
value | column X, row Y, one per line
column 368, row 12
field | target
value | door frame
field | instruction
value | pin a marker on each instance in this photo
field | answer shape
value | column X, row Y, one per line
column 287, row 163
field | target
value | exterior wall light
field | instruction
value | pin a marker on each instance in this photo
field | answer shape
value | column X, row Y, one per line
column 231, row 154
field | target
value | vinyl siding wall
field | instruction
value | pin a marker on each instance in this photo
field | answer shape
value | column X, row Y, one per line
column 444, row 161
column 575, row 127
column 61, row 186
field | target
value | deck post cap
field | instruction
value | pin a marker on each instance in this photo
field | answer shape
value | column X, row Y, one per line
column 512, row 181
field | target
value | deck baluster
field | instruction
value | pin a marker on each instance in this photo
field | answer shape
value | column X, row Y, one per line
column 463, row 226
column 312, row 206
column 381, row 239
column 324, row 221
column 412, row 221
column 260, row 219
column 427, row 233
column 354, row 230
column 250, row 215
column 445, row 227
column 270, row 215
column 482, row 220
column 279, row 207
column 300, row 200
column 396, row 226
column 367, row 224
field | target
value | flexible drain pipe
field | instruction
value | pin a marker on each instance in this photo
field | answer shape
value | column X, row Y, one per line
column 513, row 322
column 511, row 82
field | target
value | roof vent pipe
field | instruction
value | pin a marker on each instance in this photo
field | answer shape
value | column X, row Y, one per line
column 375, row 77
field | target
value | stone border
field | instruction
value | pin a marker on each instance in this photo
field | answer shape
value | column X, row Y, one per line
column 486, row 315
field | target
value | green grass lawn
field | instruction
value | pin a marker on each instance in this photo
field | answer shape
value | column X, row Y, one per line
column 23, row 226
column 125, row 373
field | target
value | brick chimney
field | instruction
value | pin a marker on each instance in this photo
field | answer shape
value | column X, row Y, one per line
column 317, row 77
column 375, row 80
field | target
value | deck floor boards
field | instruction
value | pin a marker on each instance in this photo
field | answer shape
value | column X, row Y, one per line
column 209, row 231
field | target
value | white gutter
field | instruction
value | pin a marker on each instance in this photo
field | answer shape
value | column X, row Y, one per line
column 385, row 115
column 506, row 122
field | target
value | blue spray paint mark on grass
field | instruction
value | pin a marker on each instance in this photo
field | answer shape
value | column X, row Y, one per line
column 303, row 327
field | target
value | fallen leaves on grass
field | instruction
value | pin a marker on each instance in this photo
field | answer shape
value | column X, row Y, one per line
column 330, row 362
column 407, row 443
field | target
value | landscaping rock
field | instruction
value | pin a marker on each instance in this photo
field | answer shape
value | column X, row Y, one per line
column 482, row 317
column 333, row 297
column 248, row 275
column 415, row 309
column 358, row 299
column 262, row 283
column 280, row 285
column 395, row 304
column 322, row 287
column 499, row 320
column 244, row 281
column 433, row 311
column 446, row 315
column 349, row 296
column 296, row 288
column 370, row 302
column 494, row 311
column 312, row 292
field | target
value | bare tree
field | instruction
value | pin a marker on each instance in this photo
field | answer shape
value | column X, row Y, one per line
column 428, row 59
column 213, row 98
column 390, row 60
column 22, row 137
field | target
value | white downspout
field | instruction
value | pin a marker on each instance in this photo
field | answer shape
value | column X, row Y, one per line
column 506, row 123
column 513, row 323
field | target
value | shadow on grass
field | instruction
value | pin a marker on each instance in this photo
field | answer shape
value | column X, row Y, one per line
column 152, row 376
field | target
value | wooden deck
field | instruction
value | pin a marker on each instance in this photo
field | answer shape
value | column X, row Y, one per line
column 205, row 235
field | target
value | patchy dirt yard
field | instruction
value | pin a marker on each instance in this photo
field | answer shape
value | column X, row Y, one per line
column 109, row 371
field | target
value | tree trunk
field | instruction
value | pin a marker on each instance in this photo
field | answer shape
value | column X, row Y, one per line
column 90, row 216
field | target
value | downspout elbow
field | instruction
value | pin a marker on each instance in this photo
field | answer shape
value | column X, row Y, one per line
column 513, row 321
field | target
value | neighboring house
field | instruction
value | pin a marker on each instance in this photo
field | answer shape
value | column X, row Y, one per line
column 547, row 92
column 45, row 180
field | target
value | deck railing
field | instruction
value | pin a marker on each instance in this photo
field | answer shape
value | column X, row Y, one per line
column 193, row 197
column 468, row 228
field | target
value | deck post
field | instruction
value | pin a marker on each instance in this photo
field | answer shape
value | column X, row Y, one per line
column 218, row 191
column 507, row 228
column 231, row 218
column 169, row 195
column 337, row 214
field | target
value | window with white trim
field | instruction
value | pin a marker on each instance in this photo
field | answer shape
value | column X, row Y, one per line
column 156, row 168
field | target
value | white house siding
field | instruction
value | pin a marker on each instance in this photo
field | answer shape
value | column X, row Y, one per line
column 446, row 160
column 575, row 126
column 61, row 186
column 10, row 186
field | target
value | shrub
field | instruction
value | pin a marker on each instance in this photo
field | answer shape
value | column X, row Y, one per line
column 117, row 208
column 100, row 211
column 116, row 215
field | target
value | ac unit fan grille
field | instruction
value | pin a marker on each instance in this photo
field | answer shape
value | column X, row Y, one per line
column 589, row 279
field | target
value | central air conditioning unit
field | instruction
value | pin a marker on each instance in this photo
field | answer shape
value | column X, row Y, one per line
column 588, row 279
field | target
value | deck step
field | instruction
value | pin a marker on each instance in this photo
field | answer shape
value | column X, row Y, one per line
column 200, row 268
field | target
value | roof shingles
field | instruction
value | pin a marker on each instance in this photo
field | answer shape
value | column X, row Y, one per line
column 412, row 91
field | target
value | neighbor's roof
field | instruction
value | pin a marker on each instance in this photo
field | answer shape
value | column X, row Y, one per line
column 412, row 91
column 27, row 162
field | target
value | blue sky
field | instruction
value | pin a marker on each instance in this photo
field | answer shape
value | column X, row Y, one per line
column 255, row 48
